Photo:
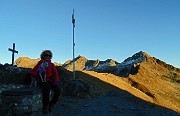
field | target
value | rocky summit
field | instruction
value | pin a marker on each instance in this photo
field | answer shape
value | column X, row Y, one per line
column 140, row 85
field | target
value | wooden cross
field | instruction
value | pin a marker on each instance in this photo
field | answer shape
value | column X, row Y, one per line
column 13, row 51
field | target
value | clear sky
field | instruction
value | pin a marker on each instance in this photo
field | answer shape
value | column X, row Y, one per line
column 104, row 29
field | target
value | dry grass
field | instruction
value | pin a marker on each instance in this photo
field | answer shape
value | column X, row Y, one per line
column 155, row 82
column 148, row 88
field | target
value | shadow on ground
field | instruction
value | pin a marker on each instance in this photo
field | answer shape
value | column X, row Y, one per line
column 105, row 99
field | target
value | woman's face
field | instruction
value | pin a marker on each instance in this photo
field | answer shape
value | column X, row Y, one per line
column 47, row 56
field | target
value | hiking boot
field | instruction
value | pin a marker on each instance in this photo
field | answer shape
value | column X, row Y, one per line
column 51, row 106
column 45, row 109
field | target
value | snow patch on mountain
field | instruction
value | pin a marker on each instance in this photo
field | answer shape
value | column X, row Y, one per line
column 102, row 67
column 128, row 64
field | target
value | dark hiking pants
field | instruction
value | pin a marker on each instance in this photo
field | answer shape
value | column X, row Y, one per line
column 46, row 87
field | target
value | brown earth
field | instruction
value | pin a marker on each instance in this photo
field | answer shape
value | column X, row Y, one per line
column 154, row 90
column 28, row 62
column 155, row 82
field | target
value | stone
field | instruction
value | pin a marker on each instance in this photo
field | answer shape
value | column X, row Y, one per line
column 21, row 101
column 21, row 91
column 77, row 88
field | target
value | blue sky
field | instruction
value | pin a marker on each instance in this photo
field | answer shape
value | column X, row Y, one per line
column 104, row 29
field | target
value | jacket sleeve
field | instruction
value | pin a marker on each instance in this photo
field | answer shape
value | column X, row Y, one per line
column 55, row 73
column 33, row 72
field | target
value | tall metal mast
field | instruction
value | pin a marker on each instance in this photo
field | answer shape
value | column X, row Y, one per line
column 73, row 22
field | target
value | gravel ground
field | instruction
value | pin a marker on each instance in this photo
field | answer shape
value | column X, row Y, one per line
column 110, row 104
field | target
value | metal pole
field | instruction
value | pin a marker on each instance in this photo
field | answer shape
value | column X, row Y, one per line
column 73, row 21
column 13, row 54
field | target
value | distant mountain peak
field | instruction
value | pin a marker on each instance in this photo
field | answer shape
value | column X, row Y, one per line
column 80, row 58
column 131, row 64
column 111, row 62
column 79, row 61
column 154, row 60
column 136, row 58
column 27, row 62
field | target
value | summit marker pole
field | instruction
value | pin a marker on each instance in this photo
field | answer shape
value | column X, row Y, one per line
column 13, row 51
column 73, row 22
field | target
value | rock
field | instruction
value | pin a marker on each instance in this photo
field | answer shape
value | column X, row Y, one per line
column 77, row 88
column 21, row 101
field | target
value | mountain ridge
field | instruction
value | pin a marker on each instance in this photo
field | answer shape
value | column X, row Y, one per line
column 82, row 63
column 27, row 62
column 141, row 75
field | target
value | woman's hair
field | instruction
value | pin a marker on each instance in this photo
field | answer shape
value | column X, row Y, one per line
column 46, row 52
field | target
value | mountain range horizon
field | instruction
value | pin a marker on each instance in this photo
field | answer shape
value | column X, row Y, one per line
column 141, row 75
column 31, row 62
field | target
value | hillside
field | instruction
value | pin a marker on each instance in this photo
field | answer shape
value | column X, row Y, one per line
column 82, row 63
column 153, row 81
column 28, row 62
column 150, row 87
column 141, row 75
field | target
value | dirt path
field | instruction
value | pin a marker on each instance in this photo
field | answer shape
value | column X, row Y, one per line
column 110, row 104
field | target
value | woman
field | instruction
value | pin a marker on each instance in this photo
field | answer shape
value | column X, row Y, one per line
column 52, row 81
